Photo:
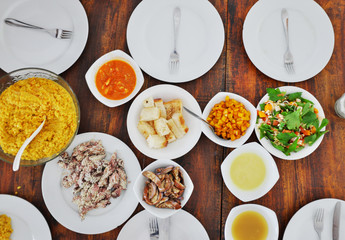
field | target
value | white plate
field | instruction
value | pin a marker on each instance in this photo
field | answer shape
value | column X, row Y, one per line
column 90, row 77
column 183, row 225
column 59, row 200
column 311, row 38
column 271, row 178
column 140, row 183
column 200, row 39
column 300, row 226
column 177, row 148
column 228, row 143
column 308, row 149
column 27, row 222
column 22, row 47
column 269, row 215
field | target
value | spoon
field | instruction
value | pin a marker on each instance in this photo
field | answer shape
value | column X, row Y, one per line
column 17, row 159
column 196, row 116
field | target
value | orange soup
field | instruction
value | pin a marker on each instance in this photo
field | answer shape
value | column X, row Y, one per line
column 116, row 80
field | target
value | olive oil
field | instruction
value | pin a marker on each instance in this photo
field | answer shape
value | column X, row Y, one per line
column 248, row 171
column 249, row 225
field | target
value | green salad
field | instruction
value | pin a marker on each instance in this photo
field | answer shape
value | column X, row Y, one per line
column 289, row 121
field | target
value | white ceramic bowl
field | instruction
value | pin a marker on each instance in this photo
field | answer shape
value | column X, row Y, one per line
column 308, row 149
column 228, row 143
column 268, row 214
column 140, row 184
column 91, row 75
column 272, row 174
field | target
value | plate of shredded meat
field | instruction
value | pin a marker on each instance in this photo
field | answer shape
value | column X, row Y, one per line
column 89, row 188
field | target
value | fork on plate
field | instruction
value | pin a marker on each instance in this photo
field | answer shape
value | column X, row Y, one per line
column 154, row 229
column 55, row 32
column 174, row 59
column 318, row 221
column 288, row 58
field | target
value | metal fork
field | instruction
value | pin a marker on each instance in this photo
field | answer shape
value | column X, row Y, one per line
column 288, row 58
column 55, row 32
column 318, row 221
column 154, row 230
column 174, row 59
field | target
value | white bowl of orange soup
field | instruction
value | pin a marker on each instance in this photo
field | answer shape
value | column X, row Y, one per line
column 249, row 172
column 114, row 78
column 251, row 221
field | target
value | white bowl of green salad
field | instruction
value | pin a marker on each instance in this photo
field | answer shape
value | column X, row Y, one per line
column 290, row 123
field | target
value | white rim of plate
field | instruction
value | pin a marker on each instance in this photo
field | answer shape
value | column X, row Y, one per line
column 314, row 16
column 200, row 9
column 308, row 149
column 90, row 77
column 327, row 203
column 19, row 208
column 182, row 214
column 59, row 203
column 222, row 142
column 75, row 10
column 177, row 148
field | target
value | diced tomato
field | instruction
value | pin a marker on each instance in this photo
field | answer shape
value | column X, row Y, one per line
column 275, row 122
column 313, row 129
column 304, row 131
column 286, row 131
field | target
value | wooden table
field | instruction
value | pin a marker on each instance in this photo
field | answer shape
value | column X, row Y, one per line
column 320, row 175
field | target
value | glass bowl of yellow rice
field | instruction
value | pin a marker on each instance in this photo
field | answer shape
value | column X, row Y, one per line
column 27, row 97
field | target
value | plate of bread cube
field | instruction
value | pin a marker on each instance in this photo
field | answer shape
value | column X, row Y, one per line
column 157, row 124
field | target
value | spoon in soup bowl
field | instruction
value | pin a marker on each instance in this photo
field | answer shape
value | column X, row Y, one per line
column 17, row 159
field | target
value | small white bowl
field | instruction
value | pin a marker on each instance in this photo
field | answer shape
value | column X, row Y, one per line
column 269, row 215
column 91, row 75
column 228, row 143
column 139, row 186
column 272, row 174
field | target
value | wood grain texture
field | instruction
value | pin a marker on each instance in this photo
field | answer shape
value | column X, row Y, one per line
column 319, row 175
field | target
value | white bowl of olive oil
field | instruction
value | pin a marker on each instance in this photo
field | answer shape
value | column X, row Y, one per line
column 251, row 221
column 249, row 172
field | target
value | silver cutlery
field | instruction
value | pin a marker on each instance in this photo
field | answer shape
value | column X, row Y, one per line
column 288, row 58
column 318, row 221
column 55, row 32
column 154, row 229
column 203, row 120
column 336, row 221
column 174, row 59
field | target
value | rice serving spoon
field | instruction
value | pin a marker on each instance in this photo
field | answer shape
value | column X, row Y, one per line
column 17, row 159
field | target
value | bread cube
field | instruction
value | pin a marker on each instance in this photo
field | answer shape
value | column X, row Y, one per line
column 156, row 141
column 149, row 114
column 161, row 127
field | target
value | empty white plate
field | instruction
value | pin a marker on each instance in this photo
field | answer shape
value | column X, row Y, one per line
column 200, row 38
column 311, row 38
column 22, row 47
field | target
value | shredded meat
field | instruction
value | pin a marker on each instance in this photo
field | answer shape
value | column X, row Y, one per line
column 95, row 179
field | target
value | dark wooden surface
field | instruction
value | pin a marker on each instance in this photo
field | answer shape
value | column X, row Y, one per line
column 320, row 175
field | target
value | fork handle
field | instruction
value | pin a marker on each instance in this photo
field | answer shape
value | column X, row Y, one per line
column 285, row 20
column 176, row 19
column 17, row 23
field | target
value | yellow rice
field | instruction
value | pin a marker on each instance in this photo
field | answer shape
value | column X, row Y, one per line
column 23, row 107
column 5, row 227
